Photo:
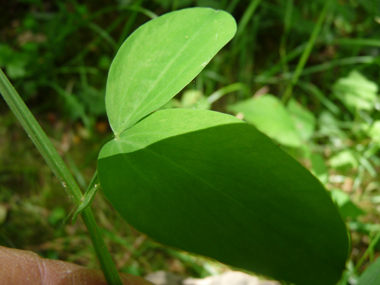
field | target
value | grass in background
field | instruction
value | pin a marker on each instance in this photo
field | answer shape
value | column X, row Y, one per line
column 57, row 55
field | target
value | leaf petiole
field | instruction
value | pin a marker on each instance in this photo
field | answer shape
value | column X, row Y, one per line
column 55, row 162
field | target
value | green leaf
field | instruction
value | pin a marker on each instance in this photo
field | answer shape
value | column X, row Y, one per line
column 372, row 275
column 329, row 126
column 344, row 160
column 159, row 59
column 374, row 131
column 269, row 115
column 88, row 197
column 319, row 168
column 303, row 119
column 56, row 215
column 346, row 207
column 208, row 183
column 194, row 99
column 356, row 92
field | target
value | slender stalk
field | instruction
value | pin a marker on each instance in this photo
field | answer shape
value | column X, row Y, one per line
column 370, row 248
column 247, row 16
column 358, row 42
column 55, row 162
column 305, row 55
column 225, row 90
column 312, row 89
column 365, row 59
column 39, row 138
column 287, row 22
column 106, row 263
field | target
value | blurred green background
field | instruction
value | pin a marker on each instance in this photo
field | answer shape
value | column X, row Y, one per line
column 57, row 55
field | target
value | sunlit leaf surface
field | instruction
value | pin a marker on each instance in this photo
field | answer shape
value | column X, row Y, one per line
column 159, row 59
column 268, row 114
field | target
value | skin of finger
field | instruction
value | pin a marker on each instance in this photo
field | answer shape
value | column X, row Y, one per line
column 26, row 267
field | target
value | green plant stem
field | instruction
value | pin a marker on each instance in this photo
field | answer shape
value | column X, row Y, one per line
column 106, row 263
column 287, row 22
column 305, row 55
column 312, row 89
column 368, row 251
column 365, row 59
column 358, row 42
column 55, row 162
column 225, row 90
column 247, row 16
column 39, row 138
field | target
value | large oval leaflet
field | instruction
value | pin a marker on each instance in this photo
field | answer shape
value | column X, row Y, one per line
column 208, row 183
